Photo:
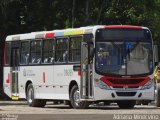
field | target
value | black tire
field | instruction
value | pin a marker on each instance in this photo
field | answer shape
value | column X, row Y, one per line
column 126, row 104
column 158, row 96
column 77, row 104
column 32, row 102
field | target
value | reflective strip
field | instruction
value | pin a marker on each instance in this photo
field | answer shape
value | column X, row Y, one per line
column 79, row 73
column 123, row 27
column 8, row 79
column 44, row 77
column 15, row 97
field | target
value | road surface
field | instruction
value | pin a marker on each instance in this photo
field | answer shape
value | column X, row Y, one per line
column 11, row 110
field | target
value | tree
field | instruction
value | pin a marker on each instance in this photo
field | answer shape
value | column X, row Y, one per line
column 23, row 16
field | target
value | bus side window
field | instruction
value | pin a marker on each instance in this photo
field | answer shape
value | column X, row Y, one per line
column 24, row 52
column 48, row 51
column 62, row 50
column 35, row 51
column 75, row 49
column 7, row 53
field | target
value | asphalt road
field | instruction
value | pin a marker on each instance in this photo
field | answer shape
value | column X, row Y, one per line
column 11, row 110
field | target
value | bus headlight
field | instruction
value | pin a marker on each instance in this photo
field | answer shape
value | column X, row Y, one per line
column 148, row 85
column 101, row 84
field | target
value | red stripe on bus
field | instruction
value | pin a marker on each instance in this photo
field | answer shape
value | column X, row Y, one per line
column 123, row 27
column 44, row 77
column 49, row 35
column 8, row 79
column 79, row 73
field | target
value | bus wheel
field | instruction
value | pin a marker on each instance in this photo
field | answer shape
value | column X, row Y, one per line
column 126, row 104
column 75, row 99
column 30, row 98
column 158, row 96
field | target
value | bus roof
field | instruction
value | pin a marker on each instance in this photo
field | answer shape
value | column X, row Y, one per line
column 66, row 32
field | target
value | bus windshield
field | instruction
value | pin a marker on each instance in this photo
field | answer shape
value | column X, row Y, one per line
column 124, row 58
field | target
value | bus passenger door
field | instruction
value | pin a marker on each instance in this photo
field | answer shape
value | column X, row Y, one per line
column 86, row 82
column 15, row 56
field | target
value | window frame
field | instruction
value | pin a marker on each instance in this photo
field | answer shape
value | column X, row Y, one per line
column 21, row 52
column 72, row 37
column 57, row 38
column 5, row 53
column 53, row 50
column 34, row 40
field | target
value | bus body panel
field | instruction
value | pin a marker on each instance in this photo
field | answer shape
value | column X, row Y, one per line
column 6, row 81
column 38, row 75
column 50, row 82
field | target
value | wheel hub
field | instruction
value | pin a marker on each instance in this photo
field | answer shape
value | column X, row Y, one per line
column 76, row 97
column 30, row 95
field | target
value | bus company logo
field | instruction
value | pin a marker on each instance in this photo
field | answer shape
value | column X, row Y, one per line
column 28, row 73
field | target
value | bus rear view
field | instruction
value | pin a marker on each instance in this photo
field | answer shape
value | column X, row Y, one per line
column 123, row 65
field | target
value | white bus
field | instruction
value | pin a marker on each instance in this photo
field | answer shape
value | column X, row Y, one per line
column 80, row 65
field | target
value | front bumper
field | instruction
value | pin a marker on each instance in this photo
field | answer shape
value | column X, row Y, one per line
column 134, row 94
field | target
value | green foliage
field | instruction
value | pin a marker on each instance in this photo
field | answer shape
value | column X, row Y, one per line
column 19, row 16
column 22, row 16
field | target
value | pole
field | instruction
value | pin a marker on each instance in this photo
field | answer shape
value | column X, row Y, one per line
column 73, row 8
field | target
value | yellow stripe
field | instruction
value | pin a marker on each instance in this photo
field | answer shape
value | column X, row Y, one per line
column 74, row 32
column 15, row 97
